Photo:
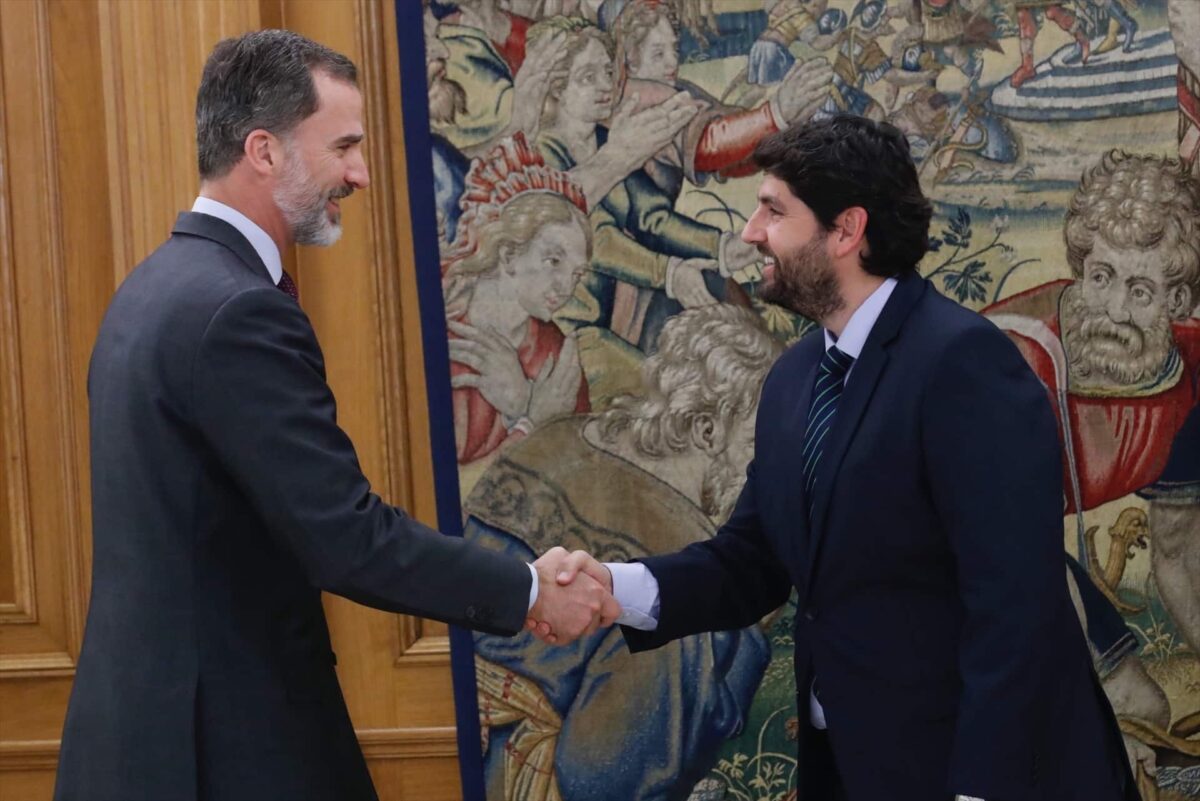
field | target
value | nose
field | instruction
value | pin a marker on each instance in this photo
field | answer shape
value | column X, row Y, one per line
column 357, row 174
column 753, row 232
column 565, row 280
column 1117, row 305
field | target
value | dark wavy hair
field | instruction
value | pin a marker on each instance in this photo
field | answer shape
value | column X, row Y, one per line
column 848, row 161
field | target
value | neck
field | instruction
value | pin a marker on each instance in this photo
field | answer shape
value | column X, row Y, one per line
column 855, row 286
column 258, row 206
column 500, row 311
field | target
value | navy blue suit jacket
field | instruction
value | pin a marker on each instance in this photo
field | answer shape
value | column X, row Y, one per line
column 933, row 600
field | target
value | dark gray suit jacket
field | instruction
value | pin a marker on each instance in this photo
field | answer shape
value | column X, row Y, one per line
column 225, row 498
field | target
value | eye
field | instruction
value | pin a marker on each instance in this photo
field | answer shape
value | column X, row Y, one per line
column 1100, row 278
column 1141, row 294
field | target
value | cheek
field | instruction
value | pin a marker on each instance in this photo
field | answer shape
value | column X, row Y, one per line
column 1094, row 296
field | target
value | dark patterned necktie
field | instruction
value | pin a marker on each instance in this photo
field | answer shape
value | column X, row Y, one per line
column 286, row 284
column 831, row 379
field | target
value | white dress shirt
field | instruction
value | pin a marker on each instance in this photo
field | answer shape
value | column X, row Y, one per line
column 262, row 243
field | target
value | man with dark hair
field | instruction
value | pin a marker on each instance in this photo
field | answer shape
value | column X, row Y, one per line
column 906, row 483
column 226, row 497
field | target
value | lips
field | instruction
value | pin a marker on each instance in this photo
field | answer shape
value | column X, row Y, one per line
column 769, row 267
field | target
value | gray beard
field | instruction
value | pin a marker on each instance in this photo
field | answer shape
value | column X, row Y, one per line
column 1119, row 352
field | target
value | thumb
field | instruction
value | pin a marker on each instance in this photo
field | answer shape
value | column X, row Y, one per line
column 610, row 610
column 570, row 567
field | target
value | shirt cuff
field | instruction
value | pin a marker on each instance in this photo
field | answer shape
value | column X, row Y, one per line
column 636, row 590
column 533, row 588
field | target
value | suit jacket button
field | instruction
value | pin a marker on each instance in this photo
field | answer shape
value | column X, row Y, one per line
column 810, row 614
column 470, row 613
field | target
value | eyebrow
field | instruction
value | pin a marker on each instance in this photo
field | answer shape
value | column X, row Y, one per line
column 768, row 200
column 348, row 139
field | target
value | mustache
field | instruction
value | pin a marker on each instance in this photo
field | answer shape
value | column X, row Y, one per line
column 1101, row 326
column 341, row 192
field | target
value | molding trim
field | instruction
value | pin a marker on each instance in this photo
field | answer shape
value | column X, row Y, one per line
column 416, row 743
column 73, row 591
column 37, row 666
column 22, row 606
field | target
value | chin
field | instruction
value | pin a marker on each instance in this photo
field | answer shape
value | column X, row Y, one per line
column 331, row 234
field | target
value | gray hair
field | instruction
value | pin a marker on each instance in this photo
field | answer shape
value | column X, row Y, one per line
column 258, row 80
column 710, row 361
column 1142, row 202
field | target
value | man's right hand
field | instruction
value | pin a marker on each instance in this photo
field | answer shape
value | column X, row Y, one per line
column 569, row 605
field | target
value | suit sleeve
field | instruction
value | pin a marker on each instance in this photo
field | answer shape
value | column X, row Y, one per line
column 728, row 582
column 992, row 453
column 262, row 404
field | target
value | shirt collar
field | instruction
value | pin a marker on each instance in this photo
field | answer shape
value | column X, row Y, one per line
column 262, row 243
column 855, row 334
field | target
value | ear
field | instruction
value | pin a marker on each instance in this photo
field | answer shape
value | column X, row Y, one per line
column 504, row 257
column 263, row 151
column 1180, row 302
column 708, row 435
column 849, row 232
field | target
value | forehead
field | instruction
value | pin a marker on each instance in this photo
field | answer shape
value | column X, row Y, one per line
column 339, row 107
column 660, row 33
column 563, row 235
column 776, row 191
column 1128, row 261
column 590, row 54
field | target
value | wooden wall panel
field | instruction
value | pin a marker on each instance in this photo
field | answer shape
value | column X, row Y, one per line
column 96, row 158
column 44, row 638
column 152, row 56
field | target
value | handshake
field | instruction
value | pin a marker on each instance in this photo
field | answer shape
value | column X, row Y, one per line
column 574, row 597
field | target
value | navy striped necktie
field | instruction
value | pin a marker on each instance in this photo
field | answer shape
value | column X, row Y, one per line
column 286, row 284
column 831, row 379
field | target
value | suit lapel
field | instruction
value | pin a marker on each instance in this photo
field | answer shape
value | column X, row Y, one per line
column 860, row 386
column 793, row 473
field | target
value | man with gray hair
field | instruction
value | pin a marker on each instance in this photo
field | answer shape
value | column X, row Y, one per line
column 591, row 723
column 226, row 497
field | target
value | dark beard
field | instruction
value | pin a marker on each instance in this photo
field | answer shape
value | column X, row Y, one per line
column 804, row 282
column 1120, row 352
